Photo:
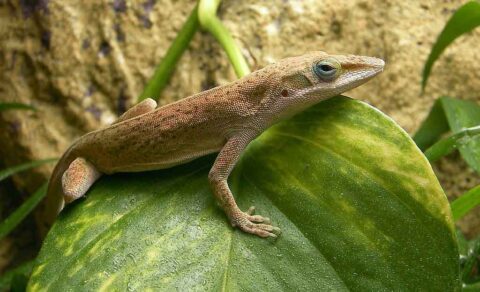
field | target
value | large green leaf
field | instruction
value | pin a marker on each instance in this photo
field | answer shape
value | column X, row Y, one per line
column 358, row 204
column 465, row 19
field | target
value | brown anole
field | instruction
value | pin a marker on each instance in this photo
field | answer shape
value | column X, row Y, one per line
column 224, row 119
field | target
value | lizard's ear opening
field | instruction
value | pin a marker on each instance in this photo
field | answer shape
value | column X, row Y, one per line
column 328, row 69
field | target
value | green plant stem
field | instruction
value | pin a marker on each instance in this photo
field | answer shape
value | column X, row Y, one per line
column 167, row 65
column 18, row 168
column 465, row 203
column 448, row 145
column 21, row 212
column 4, row 106
column 207, row 15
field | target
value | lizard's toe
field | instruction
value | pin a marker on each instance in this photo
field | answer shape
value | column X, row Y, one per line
column 258, row 219
column 262, row 230
column 256, row 224
column 251, row 210
column 259, row 232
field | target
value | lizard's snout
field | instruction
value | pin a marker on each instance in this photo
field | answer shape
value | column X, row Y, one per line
column 376, row 63
column 374, row 66
column 379, row 63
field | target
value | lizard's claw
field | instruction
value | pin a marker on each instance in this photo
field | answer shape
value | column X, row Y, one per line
column 255, row 224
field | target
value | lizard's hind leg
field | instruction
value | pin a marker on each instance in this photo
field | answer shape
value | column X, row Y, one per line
column 78, row 178
column 141, row 108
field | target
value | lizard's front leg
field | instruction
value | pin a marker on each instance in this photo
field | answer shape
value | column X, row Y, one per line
column 226, row 160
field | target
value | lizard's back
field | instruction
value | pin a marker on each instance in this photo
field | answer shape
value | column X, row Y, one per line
column 169, row 135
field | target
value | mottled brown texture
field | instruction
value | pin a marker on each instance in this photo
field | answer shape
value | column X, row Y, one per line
column 223, row 119
column 78, row 178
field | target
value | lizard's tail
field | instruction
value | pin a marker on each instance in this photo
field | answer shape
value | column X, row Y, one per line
column 54, row 201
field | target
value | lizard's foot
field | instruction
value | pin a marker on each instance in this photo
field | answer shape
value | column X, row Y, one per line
column 255, row 224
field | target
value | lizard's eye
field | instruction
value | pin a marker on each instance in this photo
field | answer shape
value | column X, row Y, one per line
column 326, row 69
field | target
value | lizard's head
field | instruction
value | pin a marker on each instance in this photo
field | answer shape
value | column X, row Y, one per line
column 310, row 78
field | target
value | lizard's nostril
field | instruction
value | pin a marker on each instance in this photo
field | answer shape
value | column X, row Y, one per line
column 284, row 93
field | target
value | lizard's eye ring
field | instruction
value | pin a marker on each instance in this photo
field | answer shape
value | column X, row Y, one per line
column 327, row 69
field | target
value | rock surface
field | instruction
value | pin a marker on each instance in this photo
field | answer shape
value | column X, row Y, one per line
column 81, row 64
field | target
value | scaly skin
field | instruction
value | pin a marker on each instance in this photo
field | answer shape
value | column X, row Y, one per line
column 224, row 119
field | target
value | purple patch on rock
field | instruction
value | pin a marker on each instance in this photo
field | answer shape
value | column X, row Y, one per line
column 95, row 111
column 144, row 18
column 119, row 6
column 29, row 7
column 148, row 5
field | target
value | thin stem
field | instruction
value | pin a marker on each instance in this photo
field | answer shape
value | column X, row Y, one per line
column 167, row 65
column 12, row 221
column 448, row 145
column 466, row 202
column 208, row 19
column 220, row 32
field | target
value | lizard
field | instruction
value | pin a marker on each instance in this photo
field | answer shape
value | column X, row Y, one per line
column 223, row 119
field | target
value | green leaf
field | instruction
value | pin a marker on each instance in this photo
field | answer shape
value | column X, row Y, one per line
column 465, row 19
column 434, row 126
column 441, row 148
column 15, row 105
column 465, row 203
column 21, row 212
column 451, row 143
column 358, row 204
column 22, row 167
column 7, row 278
column 463, row 119
column 462, row 114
